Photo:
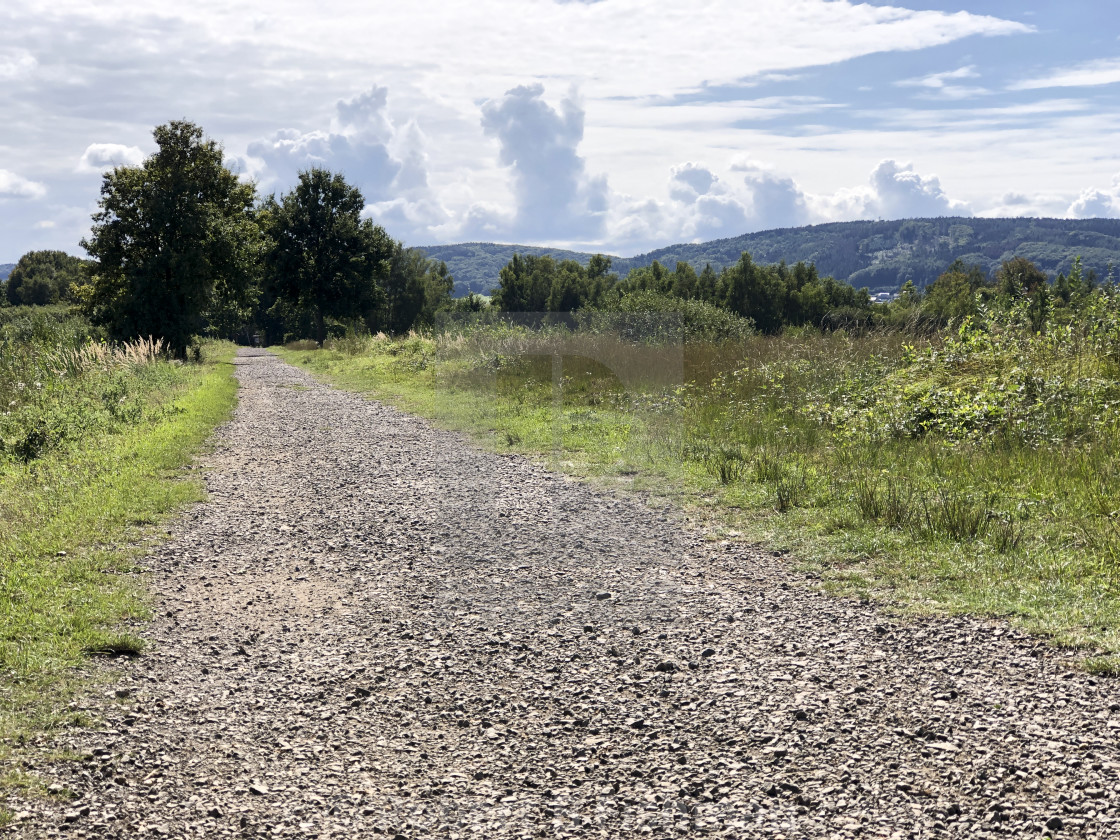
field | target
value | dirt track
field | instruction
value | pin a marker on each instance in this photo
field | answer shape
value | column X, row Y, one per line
column 373, row 628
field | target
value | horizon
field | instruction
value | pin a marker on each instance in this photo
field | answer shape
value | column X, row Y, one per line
column 590, row 126
column 669, row 245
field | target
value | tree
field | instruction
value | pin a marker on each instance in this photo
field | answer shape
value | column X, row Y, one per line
column 950, row 297
column 173, row 239
column 541, row 284
column 1019, row 275
column 325, row 260
column 42, row 277
column 415, row 289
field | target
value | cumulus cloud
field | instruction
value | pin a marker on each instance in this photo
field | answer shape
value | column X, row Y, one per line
column 752, row 196
column 16, row 186
column 1094, row 203
column 689, row 181
column 1028, row 205
column 902, row 193
column 555, row 197
column 358, row 150
column 776, row 201
column 101, row 156
column 389, row 165
column 704, row 206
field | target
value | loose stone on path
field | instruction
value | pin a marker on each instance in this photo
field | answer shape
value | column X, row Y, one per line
column 374, row 629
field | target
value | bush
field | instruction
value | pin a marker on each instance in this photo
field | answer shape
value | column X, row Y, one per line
column 654, row 317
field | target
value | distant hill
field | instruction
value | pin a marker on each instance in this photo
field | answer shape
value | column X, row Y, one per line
column 876, row 254
column 5, row 270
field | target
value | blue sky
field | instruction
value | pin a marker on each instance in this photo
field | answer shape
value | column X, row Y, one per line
column 618, row 125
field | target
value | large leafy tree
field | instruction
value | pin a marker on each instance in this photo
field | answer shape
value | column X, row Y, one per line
column 175, row 239
column 325, row 260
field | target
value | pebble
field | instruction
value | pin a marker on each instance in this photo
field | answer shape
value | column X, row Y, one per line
column 373, row 628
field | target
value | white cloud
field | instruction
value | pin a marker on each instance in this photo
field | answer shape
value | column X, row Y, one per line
column 1101, row 71
column 1092, row 204
column 943, row 85
column 16, row 186
column 703, row 205
column 287, row 87
column 389, row 165
column 902, row 193
column 101, row 156
column 1041, row 205
column 556, row 199
column 1095, row 203
column 775, row 201
column 689, row 181
column 357, row 146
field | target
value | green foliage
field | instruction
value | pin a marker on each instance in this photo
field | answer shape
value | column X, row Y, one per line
column 325, row 261
column 44, row 277
column 541, row 284
column 70, row 517
column 57, row 387
column 175, row 240
column 416, row 288
column 881, row 255
column 654, row 316
column 769, row 297
column 993, row 377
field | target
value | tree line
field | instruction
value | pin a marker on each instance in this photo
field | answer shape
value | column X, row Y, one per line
column 779, row 296
column 182, row 248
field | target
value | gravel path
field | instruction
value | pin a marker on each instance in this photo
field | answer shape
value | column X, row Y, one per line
column 374, row 629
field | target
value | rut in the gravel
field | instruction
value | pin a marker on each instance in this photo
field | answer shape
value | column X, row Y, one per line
column 374, row 628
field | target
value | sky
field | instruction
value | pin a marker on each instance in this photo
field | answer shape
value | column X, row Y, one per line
column 605, row 125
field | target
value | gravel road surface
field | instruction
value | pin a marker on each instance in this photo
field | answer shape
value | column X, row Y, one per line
column 374, row 629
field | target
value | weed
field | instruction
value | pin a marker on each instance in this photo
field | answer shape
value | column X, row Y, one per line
column 727, row 463
column 116, row 644
column 952, row 515
column 1103, row 666
column 303, row 344
column 71, row 513
column 1006, row 533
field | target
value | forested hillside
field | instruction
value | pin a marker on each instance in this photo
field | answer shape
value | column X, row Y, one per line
column 879, row 255
column 5, row 270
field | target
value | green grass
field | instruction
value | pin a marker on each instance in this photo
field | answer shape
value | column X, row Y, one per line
column 909, row 474
column 75, row 518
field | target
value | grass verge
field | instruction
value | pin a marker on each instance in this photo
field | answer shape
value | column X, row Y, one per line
column 74, row 520
column 914, row 476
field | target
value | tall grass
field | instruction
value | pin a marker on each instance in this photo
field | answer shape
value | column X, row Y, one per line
column 58, row 386
column 94, row 441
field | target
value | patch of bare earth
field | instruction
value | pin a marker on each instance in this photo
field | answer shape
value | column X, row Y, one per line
column 373, row 628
